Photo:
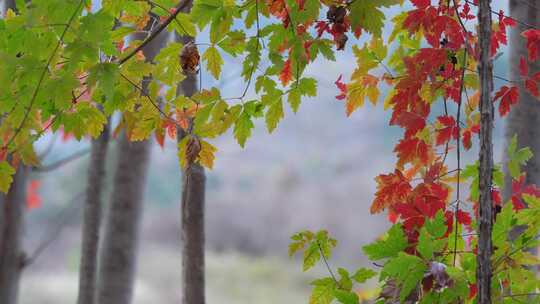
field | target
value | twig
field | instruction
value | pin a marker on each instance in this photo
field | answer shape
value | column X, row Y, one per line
column 49, row 148
column 179, row 7
column 54, row 233
column 60, row 163
column 458, row 116
column 152, row 101
column 328, row 265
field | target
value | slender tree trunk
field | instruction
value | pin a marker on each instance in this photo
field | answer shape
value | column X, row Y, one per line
column 524, row 118
column 92, row 219
column 117, row 264
column 12, row 257
column 485, row 218
column 119, row 248
column 12, row 205
column 193, row 206
column 193, row 231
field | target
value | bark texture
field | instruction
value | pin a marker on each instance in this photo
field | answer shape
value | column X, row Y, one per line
column 192, row 213
column 524, row 118
column 485, row 217
column 93, row 206
column 12, row 257
column 117, row 265
column 119, row 249
column 193, row 235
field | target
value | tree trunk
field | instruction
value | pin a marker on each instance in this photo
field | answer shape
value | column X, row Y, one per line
column 12, row 206
column 193, row 205
column 117, row 264
column 12, row 257
column 524, row 118
column 485, row 217
column 92, row 219
column 119, row 248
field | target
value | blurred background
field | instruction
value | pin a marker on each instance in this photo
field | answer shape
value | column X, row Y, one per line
column 316, row 171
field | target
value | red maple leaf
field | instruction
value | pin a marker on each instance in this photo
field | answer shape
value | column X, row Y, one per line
column 533, row 43
column 160, row 137
column 411, row 150
column 449, row 131
column 33, row 200
column 463, row 217
column 391, row 189
column 424, row 201
column 519, row 188
column 342, row 88
column 509, row 97
column 496, row 196
column 411, row 122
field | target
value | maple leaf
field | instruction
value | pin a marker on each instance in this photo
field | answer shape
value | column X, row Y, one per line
column 207, row 154
column 411, row 122
column 170, row 126
column 160, row 137
column 6, row 176
column 412, row 150
column 391, row 189
column 467, row 135
column 342, row 88
column 463, row 217
column 508, row 96
column 449, row 130
column 359, row 89
column 213, row 60
column 33, row 200
column 286, row 73
column 425, row 200
column 533, row 43
column 518, row 189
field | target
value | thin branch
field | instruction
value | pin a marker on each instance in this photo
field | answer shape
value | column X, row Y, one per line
column 328, row 265
column 241, row 98
column 152, row 101
column 49, row 148
column 62, row 162
column 54, row 233
column 179, row 7
column 458, row 117
column 499, row 14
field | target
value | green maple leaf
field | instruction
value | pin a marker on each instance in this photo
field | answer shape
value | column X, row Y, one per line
column 368, row 15
column 395, row 242
column 213, row 61
column 517, row 158
column 242, row 128
column 323, row 291
column 363, row 274
column 274, row 114
column 6, row 176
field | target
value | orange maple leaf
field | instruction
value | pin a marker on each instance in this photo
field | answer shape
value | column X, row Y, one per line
column 392, row 188
column 286, row 74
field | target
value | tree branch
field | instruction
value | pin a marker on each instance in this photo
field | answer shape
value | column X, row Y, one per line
column 53, row 233
column 60, row 163
column 179, row 7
